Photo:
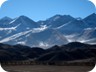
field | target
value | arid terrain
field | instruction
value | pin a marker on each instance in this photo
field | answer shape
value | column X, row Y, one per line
column 73, row 57
column 42, row 68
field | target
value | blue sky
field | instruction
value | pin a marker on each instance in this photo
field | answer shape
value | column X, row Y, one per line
column 43, row 9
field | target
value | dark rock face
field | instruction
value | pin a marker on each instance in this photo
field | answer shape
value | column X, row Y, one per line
column 69, row 52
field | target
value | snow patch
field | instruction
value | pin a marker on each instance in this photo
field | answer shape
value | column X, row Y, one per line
column 11, row 28
column 63, row 25
column 13, row 21
column 42, row 28
column 14, row 36
column 43, row 44
column 57, row 17
column 22, row 43
column 88, row 29
column 28, row 28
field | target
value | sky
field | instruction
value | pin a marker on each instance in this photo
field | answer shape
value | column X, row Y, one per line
column 43, row 9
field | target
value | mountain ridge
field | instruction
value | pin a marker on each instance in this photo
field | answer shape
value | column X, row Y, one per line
column 69, row 52
column 57, row 30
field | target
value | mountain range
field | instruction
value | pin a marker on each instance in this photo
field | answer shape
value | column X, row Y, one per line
column 56, row 30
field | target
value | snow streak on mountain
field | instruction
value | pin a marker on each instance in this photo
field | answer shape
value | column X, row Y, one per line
column 57, row 30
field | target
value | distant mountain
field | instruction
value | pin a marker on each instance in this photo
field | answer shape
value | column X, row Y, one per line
column 24, row 22
column 57, row 30
column 88, row 35
column 46, row 38
column 91, row 20
column 5, row 21
column 73, row 27
column 57, row 20
column 16, row 26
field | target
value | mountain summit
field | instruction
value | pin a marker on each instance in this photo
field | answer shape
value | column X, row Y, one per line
column 57, row 20
column 91, row 20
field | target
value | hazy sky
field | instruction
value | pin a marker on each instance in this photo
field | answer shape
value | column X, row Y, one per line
column 43, row 9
